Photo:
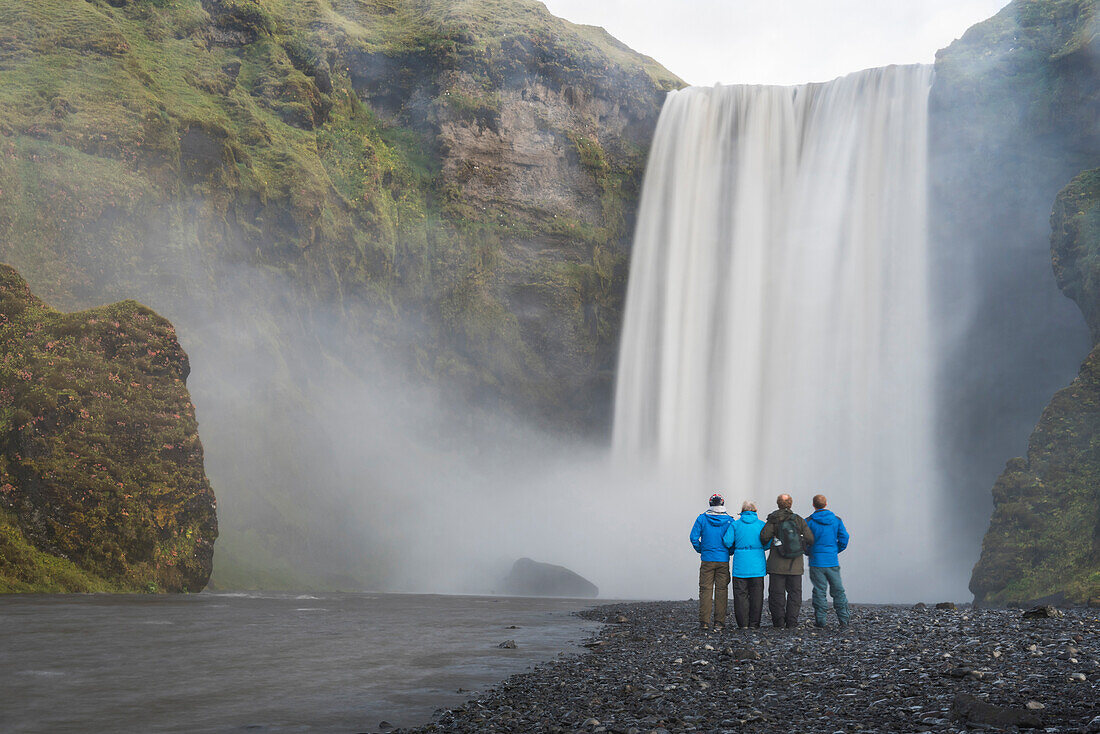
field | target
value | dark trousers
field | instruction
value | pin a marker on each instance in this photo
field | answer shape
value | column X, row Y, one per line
column 784, row 598
column 748, row 601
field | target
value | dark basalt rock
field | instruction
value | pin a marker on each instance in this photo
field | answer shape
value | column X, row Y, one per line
column 531, row 578
column 973, row 710
column 1042, row 612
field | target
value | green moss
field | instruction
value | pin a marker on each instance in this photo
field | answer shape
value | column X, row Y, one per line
column 25, row 569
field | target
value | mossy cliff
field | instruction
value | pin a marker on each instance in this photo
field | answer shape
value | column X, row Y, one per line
column 101, row 468
column 1044, row 537
column 304, row 186
column 1014, row 115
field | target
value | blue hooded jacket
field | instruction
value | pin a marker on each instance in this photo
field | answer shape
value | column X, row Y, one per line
column 830, row 538
column 743, row 539
column 706, row 536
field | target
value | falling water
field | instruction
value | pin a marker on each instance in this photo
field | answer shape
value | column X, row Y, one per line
column 777, row 328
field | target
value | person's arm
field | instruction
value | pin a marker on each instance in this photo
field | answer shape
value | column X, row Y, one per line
column 696, row 536
column 767, row 532
column 729, row 538
column 841, row 536
column 807, row 534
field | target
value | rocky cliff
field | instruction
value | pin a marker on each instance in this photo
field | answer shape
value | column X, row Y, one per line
column 1044, row 537
column 101, row 468
column 331, row 199
column 1014, row 115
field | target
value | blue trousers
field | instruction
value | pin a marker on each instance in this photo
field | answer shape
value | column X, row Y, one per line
column 828, row 579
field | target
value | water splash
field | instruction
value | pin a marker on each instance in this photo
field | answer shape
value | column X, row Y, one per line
column 777, row 331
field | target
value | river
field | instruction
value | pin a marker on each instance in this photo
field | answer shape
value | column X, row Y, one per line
column 262, row 662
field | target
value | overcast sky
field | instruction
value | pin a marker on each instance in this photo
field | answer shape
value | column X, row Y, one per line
column 779, row 41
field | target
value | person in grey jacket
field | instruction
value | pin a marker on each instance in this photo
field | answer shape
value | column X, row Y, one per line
column 785, row 565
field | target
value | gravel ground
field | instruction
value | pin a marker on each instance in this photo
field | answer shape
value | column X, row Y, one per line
column 896, row 669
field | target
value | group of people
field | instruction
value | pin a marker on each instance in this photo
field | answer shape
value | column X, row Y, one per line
column 718, row 536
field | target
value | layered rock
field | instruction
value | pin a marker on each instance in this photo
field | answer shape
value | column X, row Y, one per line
column 101, row 468
column 1044, row 536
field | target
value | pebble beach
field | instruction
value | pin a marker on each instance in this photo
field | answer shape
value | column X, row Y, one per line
column 895, row 669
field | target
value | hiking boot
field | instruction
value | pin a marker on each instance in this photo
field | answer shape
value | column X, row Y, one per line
column 704, row 627
column 719, row 627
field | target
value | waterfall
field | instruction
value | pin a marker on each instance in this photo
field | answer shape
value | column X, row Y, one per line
column 777, row 329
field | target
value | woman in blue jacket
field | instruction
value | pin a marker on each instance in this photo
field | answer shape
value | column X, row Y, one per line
column 749, row 566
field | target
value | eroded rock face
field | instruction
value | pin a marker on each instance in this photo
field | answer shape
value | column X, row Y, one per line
column 101, row 466
column 1044, row 536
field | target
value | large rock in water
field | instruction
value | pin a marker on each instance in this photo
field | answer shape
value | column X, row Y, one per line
column 101, row 469
column 1044, row 536
column 531, row 578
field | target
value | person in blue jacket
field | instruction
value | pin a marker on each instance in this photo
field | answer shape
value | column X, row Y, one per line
column 830, row 538
column 749, row 566
column 714, row 567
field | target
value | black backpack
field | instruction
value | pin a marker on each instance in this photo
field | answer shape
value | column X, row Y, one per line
column 789, row 537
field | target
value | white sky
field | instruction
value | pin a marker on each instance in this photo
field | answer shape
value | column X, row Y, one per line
column 779, row 41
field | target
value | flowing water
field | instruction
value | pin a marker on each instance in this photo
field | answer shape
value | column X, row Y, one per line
column 274, row 663
column 777, row 327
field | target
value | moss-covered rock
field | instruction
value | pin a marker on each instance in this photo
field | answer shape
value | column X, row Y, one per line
column 101, row 468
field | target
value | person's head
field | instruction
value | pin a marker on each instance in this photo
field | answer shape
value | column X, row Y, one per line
column 747, row 506
column 820, row 502
column 784, row 501
column 717, row 500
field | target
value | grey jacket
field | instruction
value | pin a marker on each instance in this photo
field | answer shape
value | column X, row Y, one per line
column 777, row 563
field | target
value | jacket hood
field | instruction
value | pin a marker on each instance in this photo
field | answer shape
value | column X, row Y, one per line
column 748, row 516
column 716, row 519
column 823, row 516
column 780, row 515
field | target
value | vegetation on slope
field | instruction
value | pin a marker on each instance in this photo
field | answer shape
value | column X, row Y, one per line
column 101, row 473
column 302, row 185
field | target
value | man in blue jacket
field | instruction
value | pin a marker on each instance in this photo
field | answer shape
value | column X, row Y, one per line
column 743, row 539
column 830, row 538
column 714, row 567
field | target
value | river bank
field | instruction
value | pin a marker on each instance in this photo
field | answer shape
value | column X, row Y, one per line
column 897, row 669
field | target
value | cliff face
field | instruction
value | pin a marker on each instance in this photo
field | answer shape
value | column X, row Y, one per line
column 322, row 196
column 1044, row 536
column 101, row 468
column 1014, row 114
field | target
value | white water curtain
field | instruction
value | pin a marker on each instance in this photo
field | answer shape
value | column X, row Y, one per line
column 777, row 320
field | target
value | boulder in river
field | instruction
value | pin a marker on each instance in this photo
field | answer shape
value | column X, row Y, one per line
column 532, row 578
